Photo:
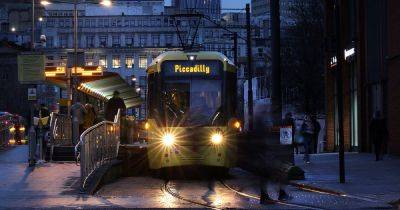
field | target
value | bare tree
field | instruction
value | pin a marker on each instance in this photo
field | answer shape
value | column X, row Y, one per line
column 303, row 57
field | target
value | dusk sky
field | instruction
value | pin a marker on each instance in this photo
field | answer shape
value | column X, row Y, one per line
column 226, row 3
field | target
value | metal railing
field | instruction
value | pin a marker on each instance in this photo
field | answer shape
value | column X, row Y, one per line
column 60, row 130
column 98, row 145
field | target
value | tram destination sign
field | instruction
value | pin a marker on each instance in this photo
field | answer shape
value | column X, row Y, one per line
column 192, row 68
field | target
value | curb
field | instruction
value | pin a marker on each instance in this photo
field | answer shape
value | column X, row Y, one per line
column 342, row 194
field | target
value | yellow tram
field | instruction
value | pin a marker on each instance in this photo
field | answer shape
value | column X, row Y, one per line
column 191, row 110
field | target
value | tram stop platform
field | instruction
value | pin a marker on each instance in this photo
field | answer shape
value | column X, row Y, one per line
column 365, row 178
column 47, row 185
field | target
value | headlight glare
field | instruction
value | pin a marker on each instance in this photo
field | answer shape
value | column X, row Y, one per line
column 168, row 139
column 216, row 138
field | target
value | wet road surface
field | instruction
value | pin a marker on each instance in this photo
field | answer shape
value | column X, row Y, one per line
column 56, row 185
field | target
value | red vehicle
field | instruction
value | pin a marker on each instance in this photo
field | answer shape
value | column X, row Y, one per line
column 17, row 131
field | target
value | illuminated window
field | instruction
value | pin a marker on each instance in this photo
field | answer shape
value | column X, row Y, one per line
column 129, row 63
column 116, row 62
column 143, row 62
column 103, row 61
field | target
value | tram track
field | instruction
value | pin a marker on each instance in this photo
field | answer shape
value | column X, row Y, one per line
column 167, row 189
column 247, row 195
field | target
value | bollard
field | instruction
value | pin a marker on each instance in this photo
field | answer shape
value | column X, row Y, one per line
column 32, row 146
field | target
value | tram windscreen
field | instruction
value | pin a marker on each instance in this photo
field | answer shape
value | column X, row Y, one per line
column 193, row 99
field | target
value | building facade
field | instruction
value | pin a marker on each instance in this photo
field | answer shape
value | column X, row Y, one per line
column 126, row 37
column 370, row 42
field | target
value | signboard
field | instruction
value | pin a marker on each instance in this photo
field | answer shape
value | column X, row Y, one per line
column 31, row 69
column 192, row 68
column 286, row 137
column 32, row 94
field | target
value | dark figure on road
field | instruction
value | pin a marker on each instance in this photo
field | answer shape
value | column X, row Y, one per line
column 307, row 130
column 317, row 129
column 113, row 105
column 378, row 134
column 289, row 121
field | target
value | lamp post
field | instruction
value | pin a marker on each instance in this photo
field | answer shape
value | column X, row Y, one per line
column 72, row 79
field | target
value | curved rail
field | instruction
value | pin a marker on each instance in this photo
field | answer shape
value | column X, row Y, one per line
column 168, row 190
column 98, row 145
column 272, row 201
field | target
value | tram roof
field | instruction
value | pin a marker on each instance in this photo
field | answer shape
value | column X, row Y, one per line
column 155, row 66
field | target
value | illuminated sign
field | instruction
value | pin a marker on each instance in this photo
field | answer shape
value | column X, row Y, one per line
column 60, row 71
column 192, row 69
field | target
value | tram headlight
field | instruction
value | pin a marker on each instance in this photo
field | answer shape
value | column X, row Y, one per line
column 217, row 138
column 236, row 124
column 146, row 126
column 168, row 139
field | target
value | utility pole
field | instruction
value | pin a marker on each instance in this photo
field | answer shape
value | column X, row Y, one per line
column 74, row 82
column 249, row 69
column 33, row 26
column 235, row 49
column 339, row 90
column 276, row 94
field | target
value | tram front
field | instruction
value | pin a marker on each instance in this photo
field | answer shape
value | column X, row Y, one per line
column 191, row 103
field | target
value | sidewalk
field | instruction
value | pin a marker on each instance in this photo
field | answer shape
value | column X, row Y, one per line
column 48, row 185
column 365, row 177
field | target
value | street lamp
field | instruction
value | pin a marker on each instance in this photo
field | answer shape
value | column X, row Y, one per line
column 40, row 19
column 106, row 3
column 13, row 29
column 44, row 2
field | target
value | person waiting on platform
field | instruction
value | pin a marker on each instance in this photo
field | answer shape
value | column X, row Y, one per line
column 89, row 117
column 112, row 106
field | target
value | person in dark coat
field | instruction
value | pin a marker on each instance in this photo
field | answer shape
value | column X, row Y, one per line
column 113, row 105
column 378, row 134
column 307, row 131
column 317, row 129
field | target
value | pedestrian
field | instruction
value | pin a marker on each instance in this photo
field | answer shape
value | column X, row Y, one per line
column 78, row 112
column 378, row 134
column 289, row 121
column 307, row 131
column 89, row 117
column 112, row 106
column 317, row 129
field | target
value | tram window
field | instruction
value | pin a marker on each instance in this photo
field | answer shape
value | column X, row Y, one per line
column 192, row 102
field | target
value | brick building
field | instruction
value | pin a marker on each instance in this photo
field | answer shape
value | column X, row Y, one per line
column 370, row 40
